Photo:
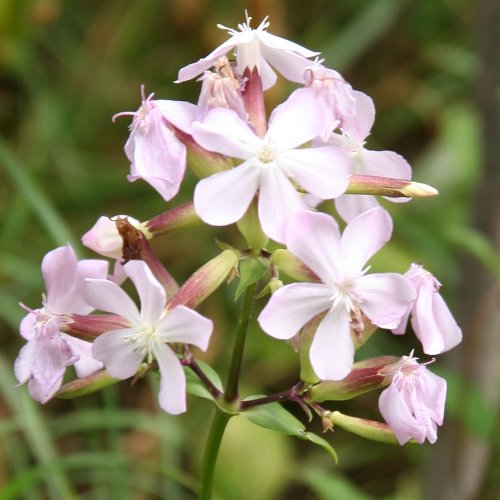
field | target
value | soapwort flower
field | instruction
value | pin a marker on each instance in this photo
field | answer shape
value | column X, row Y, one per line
column 155, row 153
column 431, row 319
column 48, row 352
column 413, row 405
column 256, row 48
column 345, row 290
column 271, row 166
column 148, row 333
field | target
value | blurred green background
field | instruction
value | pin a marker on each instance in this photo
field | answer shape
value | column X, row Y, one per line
column 432, row 68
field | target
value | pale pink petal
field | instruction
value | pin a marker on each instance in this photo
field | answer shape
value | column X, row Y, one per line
column 172, row 395
column 223, row 198
column 350, row 206
column 88, row 268
column 59, row 268
column 291, row 66
column 322, row 171
column 365, row 235
column 151, row 293
column 332, row 349
column 397, row 414
column 180, row 114
column 299, row 119
column 109, row 297
column 433, row 395
column 25, row 361
column 193, row 70
column 358, row 126
column 27, row 326
column 86, row 365
column 267, row 75
column 185, row 325
column 385, row 298
column 278, row 201
column 384, row 164
column 278, row 44
column 433, row 322
column 315, row 239
column 223, row 131
column 292, row 306
column 120, row 356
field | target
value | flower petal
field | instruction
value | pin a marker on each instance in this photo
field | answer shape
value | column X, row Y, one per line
column 223, row 131
column 185, row 325
column 180, row 114
column 358, row 126
column 322, row 171
column 292, row 306
column 315, row 239
column 384, row 164
column 299, row 119
column 385, row 298
column 397, row 414
column 223, row 198
column 172, row 395
column 278, row 201
column 365, row 235
column 332, row 349
column 350, row 206
column 86, row 365
column 151, row 293
column 27, row 326
column 120, row 357
column 109, row 297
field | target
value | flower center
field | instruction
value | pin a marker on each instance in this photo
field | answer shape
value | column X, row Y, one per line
column 145, row 338
column 266, row 155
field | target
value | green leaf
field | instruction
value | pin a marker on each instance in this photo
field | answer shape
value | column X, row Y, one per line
column 314, row 438
column 196, row 387
column 251, row 270
column 273, row 416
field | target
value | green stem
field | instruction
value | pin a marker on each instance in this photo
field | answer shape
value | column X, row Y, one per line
column 231, row 393
column 211, row 451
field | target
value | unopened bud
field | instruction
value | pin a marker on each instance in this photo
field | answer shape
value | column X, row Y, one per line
column 250, row 228
column 205, row 280
column 368, row 429
column 90, row 327
column 87, row 385
column 179, row 217
column 365, row 376
column 388, row 186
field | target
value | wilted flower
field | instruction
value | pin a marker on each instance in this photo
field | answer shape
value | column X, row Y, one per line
column 413, row 405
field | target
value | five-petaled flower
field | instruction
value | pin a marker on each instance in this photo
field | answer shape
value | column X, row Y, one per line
column 272, row 165
column 148, row 333
column 345, row 291
column 413, row 405
column 48, row 352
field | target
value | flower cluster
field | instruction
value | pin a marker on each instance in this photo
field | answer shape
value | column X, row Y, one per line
column 265, row 175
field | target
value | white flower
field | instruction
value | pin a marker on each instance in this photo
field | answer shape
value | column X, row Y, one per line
column 151, row 328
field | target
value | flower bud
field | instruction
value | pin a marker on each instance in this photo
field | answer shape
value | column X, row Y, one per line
column 90, row 327
column 205, row 280
column 387, row 186
column 368, row 429
column 87, row 385
column 365, row 376
column 179, row 217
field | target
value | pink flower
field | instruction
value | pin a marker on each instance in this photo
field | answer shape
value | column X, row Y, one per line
column 413, row 405
column 255, row 48
column 355, row 130
column 271, row 165
column 43, row 360
column 155, row 153
column 345, row 289
column 431, row 320
column 151, row 328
